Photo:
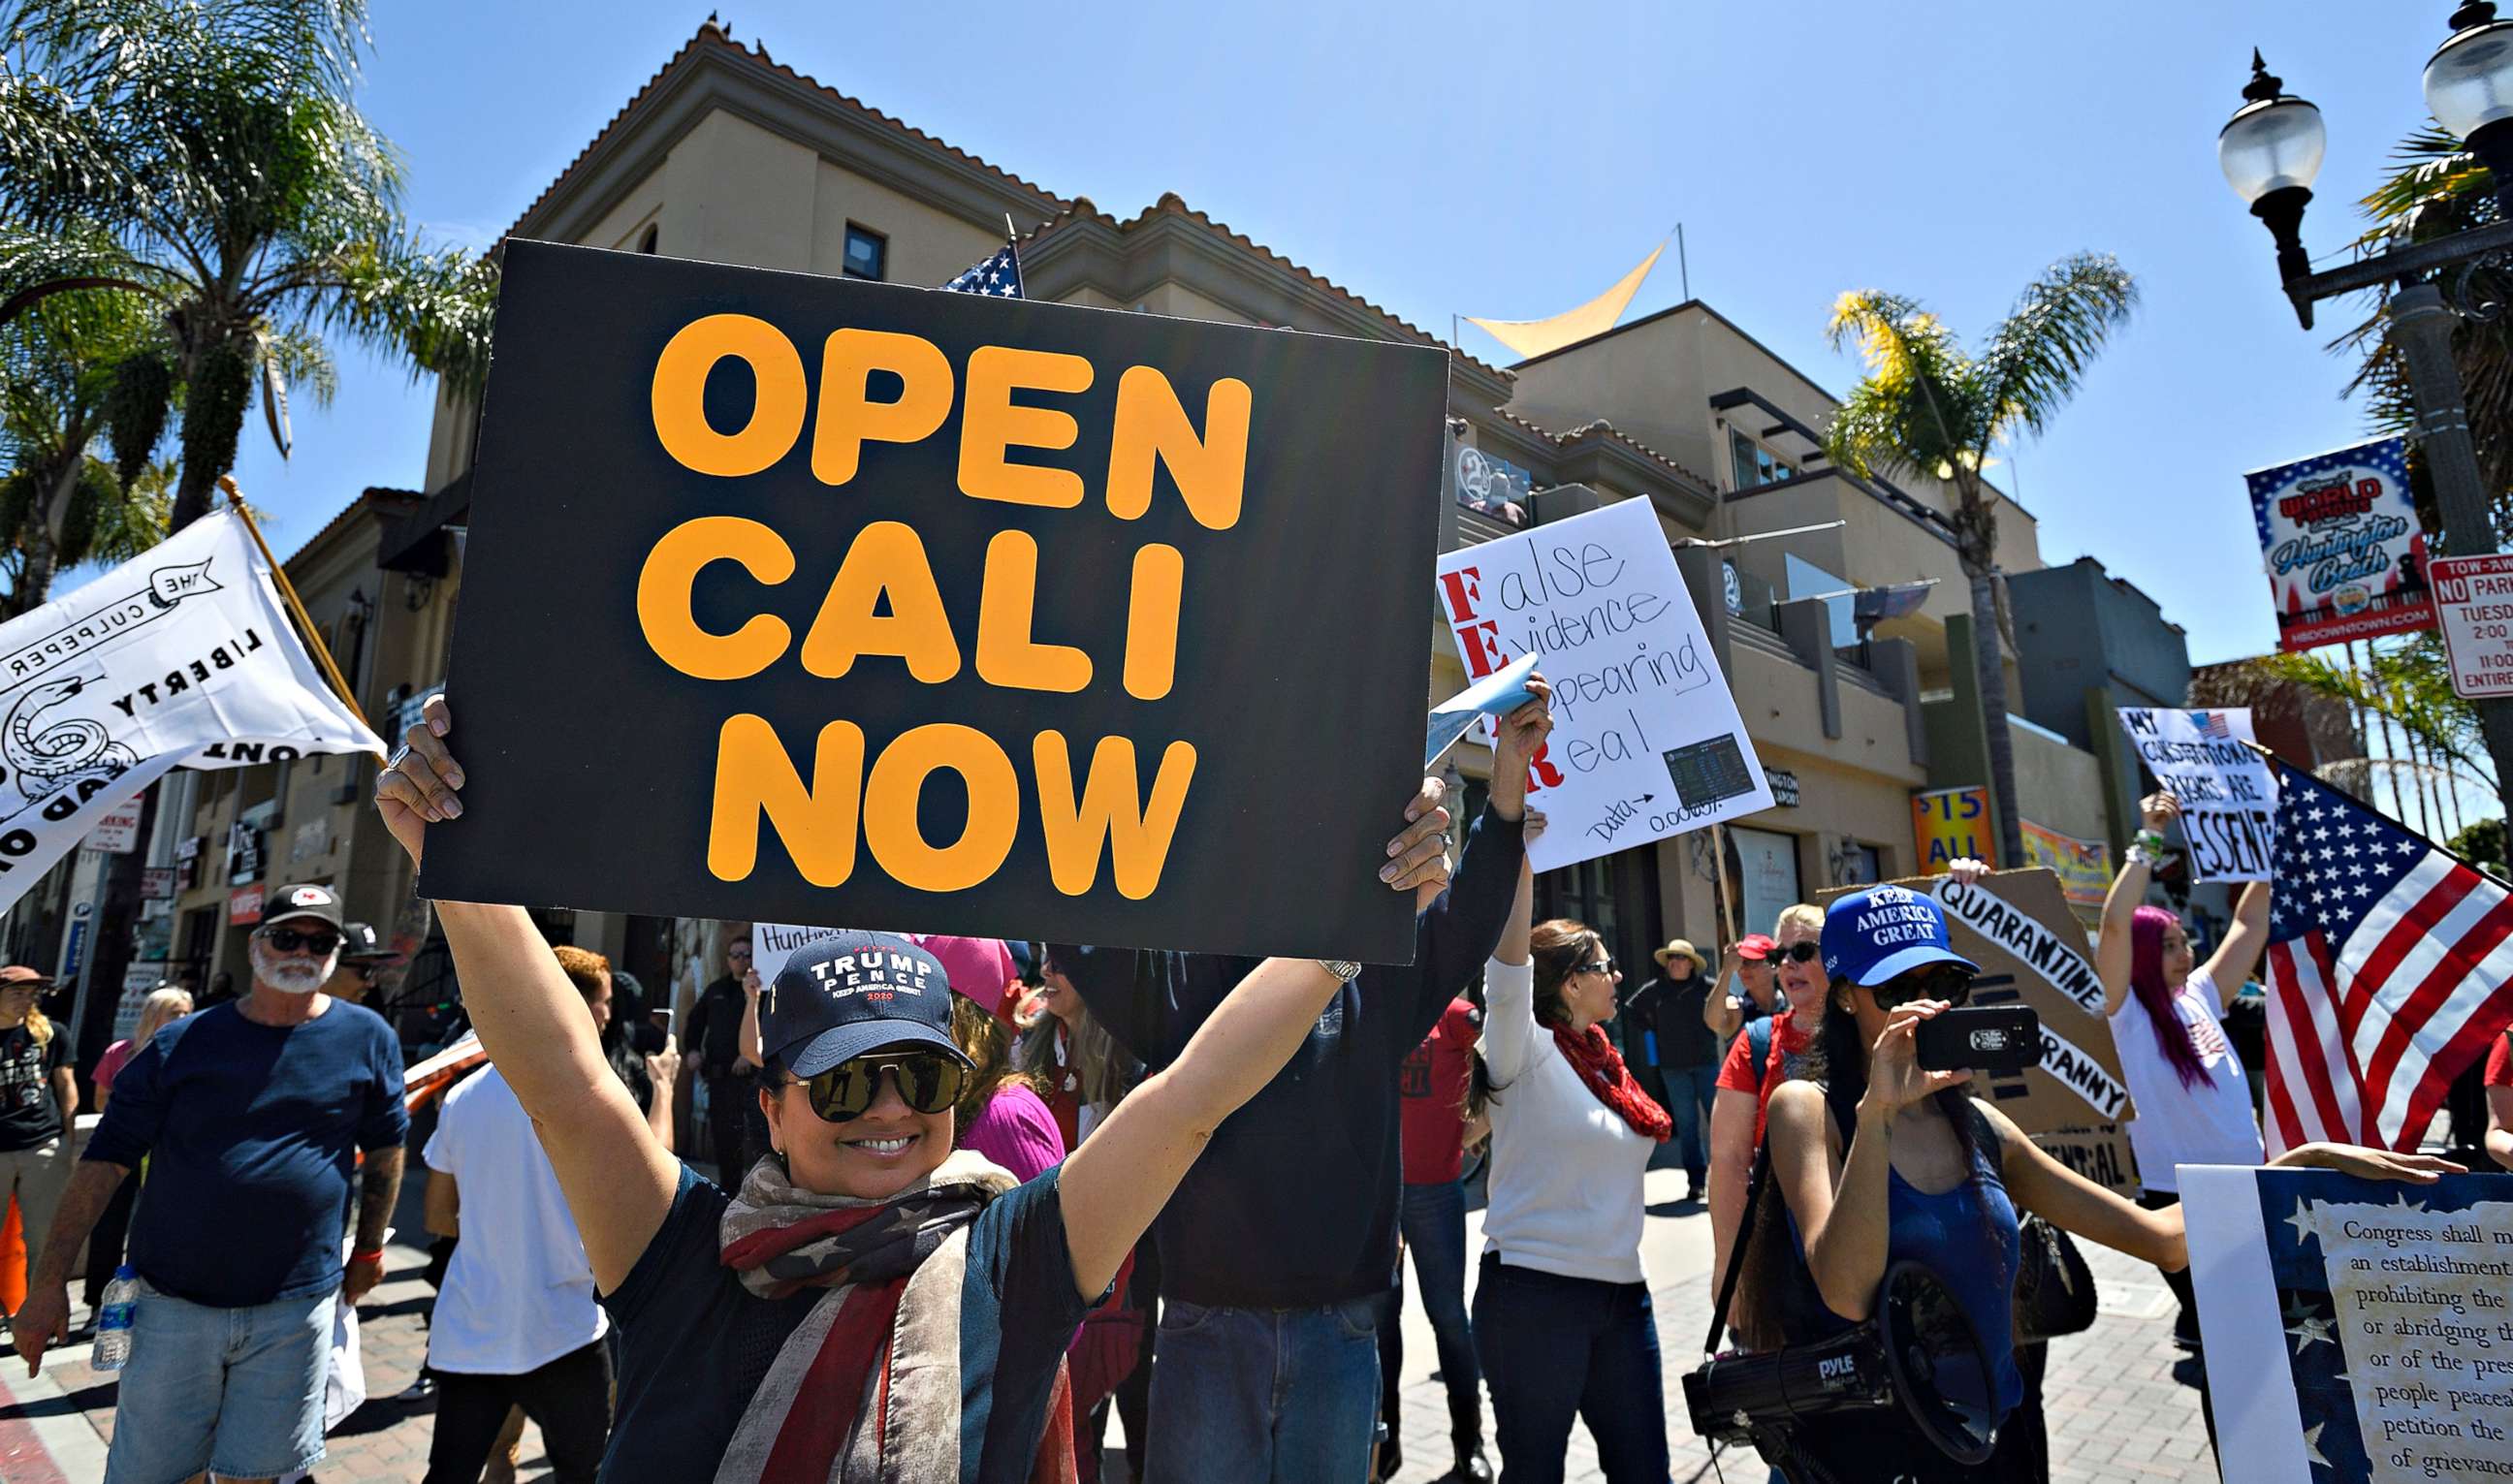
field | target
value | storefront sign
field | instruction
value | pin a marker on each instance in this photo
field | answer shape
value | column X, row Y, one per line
column 1646, row 742
column 2355, row 1328
column 1784, row 787
column 1951, row 824
column 810, row 600
column 2228, row 796
column 2341, row 541
column 243, row 905
column 157, row 883
column 2474, row 606
column 117, row 830
column 2084, row 866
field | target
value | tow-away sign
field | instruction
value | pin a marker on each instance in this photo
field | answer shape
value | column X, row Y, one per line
column 2474, row 606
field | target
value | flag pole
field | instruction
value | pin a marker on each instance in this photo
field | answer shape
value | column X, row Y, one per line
column 306, row 629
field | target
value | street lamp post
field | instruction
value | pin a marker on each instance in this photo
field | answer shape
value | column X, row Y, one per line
column 2271, row 150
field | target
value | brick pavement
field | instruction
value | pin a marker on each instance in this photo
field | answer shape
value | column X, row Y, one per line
column 2118, row 1413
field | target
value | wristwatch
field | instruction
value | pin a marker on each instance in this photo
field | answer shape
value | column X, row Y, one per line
column 1343, row 968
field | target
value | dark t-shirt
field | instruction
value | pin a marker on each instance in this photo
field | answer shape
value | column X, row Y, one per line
column 714, row 1037
column 252, row 1134
column 1669, row 1010
column 29, row 1115
column 694, row 1343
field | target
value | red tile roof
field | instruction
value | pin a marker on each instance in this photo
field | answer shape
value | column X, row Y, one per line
column 713, row 33
column 1171, row 204
column 372, row 494
column 1601, row 428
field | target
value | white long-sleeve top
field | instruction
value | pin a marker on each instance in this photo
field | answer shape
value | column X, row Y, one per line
column 1566, row 1169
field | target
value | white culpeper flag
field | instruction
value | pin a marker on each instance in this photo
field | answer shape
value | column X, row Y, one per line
column 182, row 656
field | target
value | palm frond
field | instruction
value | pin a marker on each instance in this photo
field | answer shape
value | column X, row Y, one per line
column 1915, row 408
column 2037, row 357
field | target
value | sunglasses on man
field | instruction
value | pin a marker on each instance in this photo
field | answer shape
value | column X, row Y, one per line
column 288, row 940
column 929, row 1081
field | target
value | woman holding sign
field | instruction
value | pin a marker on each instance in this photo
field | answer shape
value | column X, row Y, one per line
column 1876, row 1160
column 872, row 1302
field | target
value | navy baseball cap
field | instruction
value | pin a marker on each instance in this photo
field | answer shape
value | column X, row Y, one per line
column 849, row 993
column 1870, row 936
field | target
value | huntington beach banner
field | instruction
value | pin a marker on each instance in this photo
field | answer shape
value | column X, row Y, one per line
column 809, row 600
column 181, row 657
column 2341, row 543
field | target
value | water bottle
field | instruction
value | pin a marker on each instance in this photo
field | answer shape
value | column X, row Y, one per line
column 114, row 1320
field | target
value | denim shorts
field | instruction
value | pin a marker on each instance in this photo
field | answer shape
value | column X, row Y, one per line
column 238, row 1392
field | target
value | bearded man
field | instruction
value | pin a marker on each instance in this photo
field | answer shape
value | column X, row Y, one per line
column 252, row 1115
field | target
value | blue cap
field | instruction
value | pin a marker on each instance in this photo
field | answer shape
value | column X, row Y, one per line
column 1870, row 936
column 849, row 993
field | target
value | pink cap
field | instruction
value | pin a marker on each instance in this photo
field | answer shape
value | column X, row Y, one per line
column 981, row 969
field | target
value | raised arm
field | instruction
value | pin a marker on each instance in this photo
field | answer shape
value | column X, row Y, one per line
column 618, row 1181
column 1114, row 1185
column 1723, row 1009
column 1460, row 927
column 748, row 1051
column 1510, row 1032
column 2240, row 953
column 2129, row 889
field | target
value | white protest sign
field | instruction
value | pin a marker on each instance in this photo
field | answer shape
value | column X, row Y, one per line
column 2228, row 795
column 2356, row 1329
column 1647, row 742
column 773, row 943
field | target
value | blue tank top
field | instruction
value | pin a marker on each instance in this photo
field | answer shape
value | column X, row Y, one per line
column 1968, row 1235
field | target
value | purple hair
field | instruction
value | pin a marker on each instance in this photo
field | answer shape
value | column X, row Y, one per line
column 2147, row 929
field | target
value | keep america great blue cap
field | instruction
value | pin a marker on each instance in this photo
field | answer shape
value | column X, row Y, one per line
column 1870, row 936
column 852, row 991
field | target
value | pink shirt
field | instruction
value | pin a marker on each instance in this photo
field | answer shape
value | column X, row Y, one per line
column 1016, row 1131
column 110, row 1062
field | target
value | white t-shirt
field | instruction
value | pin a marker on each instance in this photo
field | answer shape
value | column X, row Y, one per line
column 519, row 1292
column 2208, row 1123
column 1566, row 1169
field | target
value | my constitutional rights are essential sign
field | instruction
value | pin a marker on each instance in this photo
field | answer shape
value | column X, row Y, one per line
column 2228, row 795
column 818, row 601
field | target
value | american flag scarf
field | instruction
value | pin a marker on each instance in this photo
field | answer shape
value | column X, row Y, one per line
column 868, row 1386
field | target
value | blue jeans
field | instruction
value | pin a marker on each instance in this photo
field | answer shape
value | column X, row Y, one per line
column 1555, row 1347
column 1433, row 1219
column 238, row 1392
column 1689, row 1091
column 1252, row 1395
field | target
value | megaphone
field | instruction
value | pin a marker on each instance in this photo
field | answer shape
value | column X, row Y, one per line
column 1917, row 1353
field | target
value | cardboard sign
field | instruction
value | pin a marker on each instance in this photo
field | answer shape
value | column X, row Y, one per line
column 2015, row 924
column 2356, row 1329
column 811, row 599
column 2228, row 795
column 2339, row 540
column 1949, row 825
column 1646, row 742
column 2474, row 604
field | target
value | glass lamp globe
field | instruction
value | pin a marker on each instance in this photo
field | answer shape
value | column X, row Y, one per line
column 2469, row 79
column 2270, row 144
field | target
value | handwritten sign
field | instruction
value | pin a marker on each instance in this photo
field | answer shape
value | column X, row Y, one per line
column 1951, row 825
column 2356, row 1329
column 2228, row 798
column 2341, row 541
column 1646, row 742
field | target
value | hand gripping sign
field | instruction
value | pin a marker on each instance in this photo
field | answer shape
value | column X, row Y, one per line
column 807, row 600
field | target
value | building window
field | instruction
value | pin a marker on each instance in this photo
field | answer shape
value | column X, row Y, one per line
column 867, row 254
column 648, row 239
column 1753, row 464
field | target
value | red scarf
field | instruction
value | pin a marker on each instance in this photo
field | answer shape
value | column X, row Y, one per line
column 1602, row 1068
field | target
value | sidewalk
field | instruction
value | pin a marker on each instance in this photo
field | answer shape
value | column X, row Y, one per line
column 2117, row 1412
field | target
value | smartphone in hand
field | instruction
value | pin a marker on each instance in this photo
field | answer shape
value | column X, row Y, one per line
column 1980, row 1039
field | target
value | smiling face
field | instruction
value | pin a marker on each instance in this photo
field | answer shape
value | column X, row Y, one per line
column 1803, row 983
column 1057, row 994
column 872, row 1156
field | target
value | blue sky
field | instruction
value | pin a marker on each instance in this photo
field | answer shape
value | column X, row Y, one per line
column 1512, row 160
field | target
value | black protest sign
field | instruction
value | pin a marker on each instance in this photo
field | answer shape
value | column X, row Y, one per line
column 817, row 601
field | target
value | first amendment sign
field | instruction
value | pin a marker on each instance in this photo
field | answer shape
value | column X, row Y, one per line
column 856, row 604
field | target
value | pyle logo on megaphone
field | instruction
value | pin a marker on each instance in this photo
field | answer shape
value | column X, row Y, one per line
column 1834, row 1370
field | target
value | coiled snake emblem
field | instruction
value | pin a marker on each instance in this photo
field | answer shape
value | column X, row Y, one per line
column 50, row 755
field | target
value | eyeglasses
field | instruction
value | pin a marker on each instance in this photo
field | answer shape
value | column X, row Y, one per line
column 1595, row 967
column 1804, row 950
column 1939, row 981
column 928, row 1081
column 289, row 940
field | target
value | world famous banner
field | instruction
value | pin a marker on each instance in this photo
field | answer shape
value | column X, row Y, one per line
column 180, row 656
column 2339, row 540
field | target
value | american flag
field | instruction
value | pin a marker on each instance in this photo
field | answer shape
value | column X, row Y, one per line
column 2212, row 724
column 998, row 276
column 2390, row 969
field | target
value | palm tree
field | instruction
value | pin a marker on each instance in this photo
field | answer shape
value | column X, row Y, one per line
column 61, row 372
column 206, row 159
column 1928, row 407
